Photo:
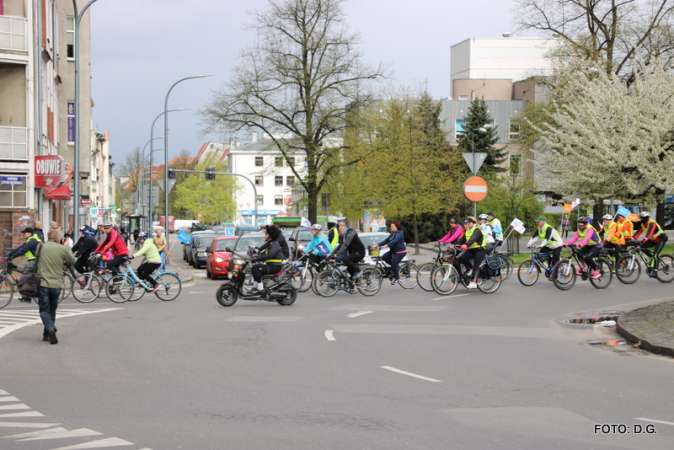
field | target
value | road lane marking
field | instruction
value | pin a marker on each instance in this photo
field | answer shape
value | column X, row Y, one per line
column 450, row 295
column 17, row 406
column 33, row 318
column 653, row 420
column 409, row 374
column 27, row 425
column 103, row 443
column 359, row 313
column 81, row 432
column 36, row 433
column 9, row 399
column 329, row 336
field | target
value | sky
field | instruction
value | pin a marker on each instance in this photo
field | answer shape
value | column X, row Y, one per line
column 139, row 49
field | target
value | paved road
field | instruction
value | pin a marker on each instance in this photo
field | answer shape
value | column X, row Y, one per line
column 400, row 370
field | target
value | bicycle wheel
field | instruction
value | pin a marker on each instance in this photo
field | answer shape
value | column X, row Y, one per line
column 370, row 282
column 564, row 275
column 606, row 274
column 409, row 275
column 307, row 279
column 508, row 267
column 424, row 276
column 6, row 292
column 665, row 273
column 627, row 269
column 327, row 283
column 67, row 286
column 87, row 287
column 296, row 277
column 444, row 279
column 488, row 284
column 528, row 273
column 169, row 286
column 119, row 288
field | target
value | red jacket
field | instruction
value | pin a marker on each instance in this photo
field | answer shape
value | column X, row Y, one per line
column 113, row 242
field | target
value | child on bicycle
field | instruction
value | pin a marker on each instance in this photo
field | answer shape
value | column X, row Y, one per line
column 152, row 260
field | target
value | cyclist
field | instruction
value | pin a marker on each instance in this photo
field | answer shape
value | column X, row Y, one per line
column 473, row 246
column 653, row 237
column 152, row 260
column 397, row 250
column 318, row 247
column 613, row 238
column 271, row 261
column 496, row 227
column 590, row 243
column 83, row 248
column 350, row 250
column 455, row 232
column 625, row 227
column 550, row 240
column 488, row 232
column 27, row 250
column 114, row 243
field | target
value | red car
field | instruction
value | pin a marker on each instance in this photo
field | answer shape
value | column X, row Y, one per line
column 217, row 258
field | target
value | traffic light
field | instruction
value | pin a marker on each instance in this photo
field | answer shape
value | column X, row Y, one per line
column 210, row 173
column 171, row 173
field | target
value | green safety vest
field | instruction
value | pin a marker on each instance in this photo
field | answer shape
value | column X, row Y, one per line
column 469, row 233
column 335, row 237
column 29, row 255
column 491, row 223
column 554, row 237
column 645, row 226
column 584, row 232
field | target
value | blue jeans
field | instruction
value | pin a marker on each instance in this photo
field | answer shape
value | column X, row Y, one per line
column 48, row 299
column 162, row 267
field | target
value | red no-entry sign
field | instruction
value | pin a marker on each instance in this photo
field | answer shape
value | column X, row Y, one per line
column 475, row 189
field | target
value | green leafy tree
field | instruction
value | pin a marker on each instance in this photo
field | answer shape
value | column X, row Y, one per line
column 511, row 197
column 483, row 138
column 214, row 199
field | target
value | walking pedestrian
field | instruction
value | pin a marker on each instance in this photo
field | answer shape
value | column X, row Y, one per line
column 53, row 256
column 37, row 229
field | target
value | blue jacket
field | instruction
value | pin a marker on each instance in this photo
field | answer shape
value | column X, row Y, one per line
column 395, row 242
column 29, row 246
column 317, row 240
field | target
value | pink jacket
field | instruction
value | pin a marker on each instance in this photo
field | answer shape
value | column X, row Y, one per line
column 453, row 235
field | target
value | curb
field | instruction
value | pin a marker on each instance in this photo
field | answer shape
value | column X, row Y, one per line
column 648, row 343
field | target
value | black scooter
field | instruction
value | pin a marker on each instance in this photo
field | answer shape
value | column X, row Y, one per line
column 277, row 287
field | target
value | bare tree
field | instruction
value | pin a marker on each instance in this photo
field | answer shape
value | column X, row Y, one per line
column 295, row 85
column 131, row 168
column 611, row 33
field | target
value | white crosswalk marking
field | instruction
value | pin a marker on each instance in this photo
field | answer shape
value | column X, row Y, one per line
column 46, row 432
column 14, row 320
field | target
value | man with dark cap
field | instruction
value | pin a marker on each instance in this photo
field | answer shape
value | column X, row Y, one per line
column 273, row 258
column 53, row 257
column 28, row 249
column 83, row 248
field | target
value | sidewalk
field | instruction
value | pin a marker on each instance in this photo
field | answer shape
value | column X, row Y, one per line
column 652, row 325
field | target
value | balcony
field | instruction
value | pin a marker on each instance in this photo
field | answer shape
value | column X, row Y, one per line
column 13, row 143
column 13, row 33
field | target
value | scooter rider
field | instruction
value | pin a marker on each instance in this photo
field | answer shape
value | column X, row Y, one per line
column 272, row 259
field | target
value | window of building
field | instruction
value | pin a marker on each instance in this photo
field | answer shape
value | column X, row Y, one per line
column 514, row 129
column 325, row 202
column 278, row 180
column 463, row 97
column 13, row 191
column 260, row 200
column 278, row 200
column 515, row 165
column 278, row 161
column 291, row 161
column 70, row 37
column 459, row 128
column 259, row 181
column 290, row 181
column 259, row 161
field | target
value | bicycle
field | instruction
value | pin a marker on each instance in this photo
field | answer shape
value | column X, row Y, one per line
column 170, row 284
column 425, row 270
column 334, row 278
column 628, row 269
column 564, row 272
column 9, row 282
column 508, row 263
column 446, row 278
column 88, row 285
column 408, row 271
column 306, row 270
column 529, row 271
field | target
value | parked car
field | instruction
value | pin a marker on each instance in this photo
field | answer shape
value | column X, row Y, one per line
column 198, row 255
column 240, row 248
column 244, row 229
column 187, row 248
column 218, row 258
column 299, row 236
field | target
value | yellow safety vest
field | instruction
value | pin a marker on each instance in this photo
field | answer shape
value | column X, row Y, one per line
column 335, row 237
column 29, row 255
column 469, row 233
column 554, row 236
column 625, row 227
column 584, row 232
column 645, row 226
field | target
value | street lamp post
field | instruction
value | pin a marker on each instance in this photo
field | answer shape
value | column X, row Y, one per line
column 166, row 147
column 76, row 162
column 482, row 129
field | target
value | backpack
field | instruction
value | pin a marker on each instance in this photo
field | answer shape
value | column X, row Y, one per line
column 29, row 281
column 493, row 266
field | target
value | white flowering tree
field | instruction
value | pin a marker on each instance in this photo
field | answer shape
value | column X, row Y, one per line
column 611, row 141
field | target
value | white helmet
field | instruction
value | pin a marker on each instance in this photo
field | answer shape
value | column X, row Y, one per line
column 607, row 217
column 316, row 227
column 644, row 214
column 483, row 217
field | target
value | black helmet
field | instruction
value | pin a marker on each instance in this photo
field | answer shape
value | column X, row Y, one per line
column 583, row 220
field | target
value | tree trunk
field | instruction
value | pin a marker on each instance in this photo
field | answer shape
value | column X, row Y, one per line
column 416, row 235
column 312, row 206
column 660, row 214
column 597, row 212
